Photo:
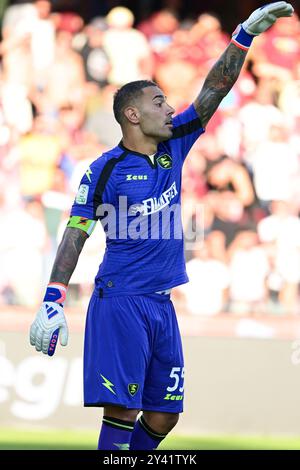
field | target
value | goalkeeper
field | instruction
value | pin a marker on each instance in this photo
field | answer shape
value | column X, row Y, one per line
column 133, row 358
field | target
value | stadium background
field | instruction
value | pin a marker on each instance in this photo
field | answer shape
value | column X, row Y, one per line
column 60, row 65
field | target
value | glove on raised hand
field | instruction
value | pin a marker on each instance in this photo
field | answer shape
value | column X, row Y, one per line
column 259, row 21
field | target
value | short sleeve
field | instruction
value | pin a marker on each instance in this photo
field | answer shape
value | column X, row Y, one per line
column 96, row 187
column 187, row 128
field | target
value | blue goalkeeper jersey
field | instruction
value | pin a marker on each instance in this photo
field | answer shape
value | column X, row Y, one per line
column 137, row 200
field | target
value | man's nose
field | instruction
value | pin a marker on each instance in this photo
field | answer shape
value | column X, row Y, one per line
column 171, row 110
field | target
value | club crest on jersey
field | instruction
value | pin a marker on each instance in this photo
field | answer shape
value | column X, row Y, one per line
column 133, row 388
column 165, row 161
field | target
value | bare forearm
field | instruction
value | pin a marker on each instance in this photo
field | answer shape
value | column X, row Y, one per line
column 67, row 255
column 219, row 82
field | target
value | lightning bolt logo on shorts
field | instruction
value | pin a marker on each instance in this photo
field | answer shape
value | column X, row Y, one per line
column 122, row 446
column 107, row 384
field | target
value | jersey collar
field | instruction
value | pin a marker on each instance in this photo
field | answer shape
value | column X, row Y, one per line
column 143, row 155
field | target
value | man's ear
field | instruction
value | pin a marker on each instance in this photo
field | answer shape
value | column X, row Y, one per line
column 132, row 114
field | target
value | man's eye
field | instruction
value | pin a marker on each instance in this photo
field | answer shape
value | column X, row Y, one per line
column 159, row 105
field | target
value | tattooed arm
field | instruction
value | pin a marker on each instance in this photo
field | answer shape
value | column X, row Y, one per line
column 225, row 72
column 219, row 82
column 67, row 255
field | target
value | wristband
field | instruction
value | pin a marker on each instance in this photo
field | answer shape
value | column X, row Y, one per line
column 55, row 292
column 242, row 39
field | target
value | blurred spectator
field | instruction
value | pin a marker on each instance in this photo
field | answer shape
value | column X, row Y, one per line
column 188, row 58
column 78, row 142
column 42, row 42
column 277, row 51
column 15, row 47
column 225, row 174
column 127, row 48
column 100, row 119
column 22, row 254
column 275, row 165
column 17, row 65
column 228, row 132
column 229, row 215
column 207, row 36
column 206, row 293
column 180, row 90
column 289, row 100
column 28, row 44
column 281, row 230
column 67, row 70
column 96, row 61
column 159, row 29
column 68, row 21
column 39, row 154
column 193, row 175
column 257, row 117
column 249, row 267
column 56, row 200
column 17, row 109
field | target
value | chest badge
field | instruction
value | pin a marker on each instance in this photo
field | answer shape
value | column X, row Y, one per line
column 165, row 161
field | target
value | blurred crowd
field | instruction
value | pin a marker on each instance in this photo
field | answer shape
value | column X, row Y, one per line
column 57, row 80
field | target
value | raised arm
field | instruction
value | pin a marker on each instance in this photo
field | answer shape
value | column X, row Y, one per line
column 219, row 82
column 225, row 72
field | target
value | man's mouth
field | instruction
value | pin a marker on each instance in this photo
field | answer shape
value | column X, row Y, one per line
column 169, row 124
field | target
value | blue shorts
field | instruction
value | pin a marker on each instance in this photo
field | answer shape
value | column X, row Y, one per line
column 133, row 353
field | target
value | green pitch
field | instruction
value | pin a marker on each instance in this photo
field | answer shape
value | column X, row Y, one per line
column 19, row 439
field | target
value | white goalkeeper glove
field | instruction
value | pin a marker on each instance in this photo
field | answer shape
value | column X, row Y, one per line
column 50, row 323
column 262, row 18
column 259, row 21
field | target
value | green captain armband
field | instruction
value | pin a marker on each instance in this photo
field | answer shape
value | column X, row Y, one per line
column 84, row 224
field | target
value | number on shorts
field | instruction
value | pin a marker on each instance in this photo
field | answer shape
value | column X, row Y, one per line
column 176, row 375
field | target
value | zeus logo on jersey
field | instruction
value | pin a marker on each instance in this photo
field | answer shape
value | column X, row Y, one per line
column 154, row 204
column 136, row 177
